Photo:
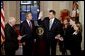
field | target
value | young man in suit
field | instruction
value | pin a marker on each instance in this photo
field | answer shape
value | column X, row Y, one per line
column 52, row 28
column 27, row 28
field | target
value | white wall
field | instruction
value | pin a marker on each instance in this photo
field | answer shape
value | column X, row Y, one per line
column 81, row 18
column 45, row 6
column 12, row 9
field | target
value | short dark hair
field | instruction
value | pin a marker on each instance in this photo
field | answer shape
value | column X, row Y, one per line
column 52, row 11
column 28, row 13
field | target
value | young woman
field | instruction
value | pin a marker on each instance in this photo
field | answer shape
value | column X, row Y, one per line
column 76, row 39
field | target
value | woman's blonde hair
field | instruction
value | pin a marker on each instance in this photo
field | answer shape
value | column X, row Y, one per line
column 79, row 27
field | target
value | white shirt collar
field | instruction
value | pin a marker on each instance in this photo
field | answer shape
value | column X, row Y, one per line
column 28, row 21
column 52, row 19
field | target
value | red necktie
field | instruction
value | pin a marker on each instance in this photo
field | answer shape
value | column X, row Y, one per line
column 18, row 32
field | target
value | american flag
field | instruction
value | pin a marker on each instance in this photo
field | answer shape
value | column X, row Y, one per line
column 2, row 22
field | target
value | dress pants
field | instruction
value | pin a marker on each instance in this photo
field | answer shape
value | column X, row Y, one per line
column 9, row 52
column 28, row 48
column 50, row 47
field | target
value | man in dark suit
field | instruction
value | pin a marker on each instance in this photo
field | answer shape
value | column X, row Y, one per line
column 11, row 40
column 52, row 30
column 27, row 28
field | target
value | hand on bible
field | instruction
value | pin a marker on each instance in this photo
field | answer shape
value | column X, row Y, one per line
column 61, row 39
column 19, row 37
column 23, row 43
column 58, row 36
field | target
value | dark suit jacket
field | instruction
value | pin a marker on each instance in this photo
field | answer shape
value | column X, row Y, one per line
column 40, row 22
column 26, row 30
column 76, row 41
column 55, row 29
column 11, row 35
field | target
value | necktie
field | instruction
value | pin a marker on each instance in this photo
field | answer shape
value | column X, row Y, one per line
column 17, row 31
column 30, row 24
column 50, row 24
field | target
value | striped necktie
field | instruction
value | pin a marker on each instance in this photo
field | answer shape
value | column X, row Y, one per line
column 30, row 24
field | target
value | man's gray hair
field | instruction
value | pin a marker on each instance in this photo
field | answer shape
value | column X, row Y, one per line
column 11, row 19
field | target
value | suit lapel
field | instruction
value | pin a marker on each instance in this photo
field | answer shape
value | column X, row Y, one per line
column 48, row 24
column 13, row 30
